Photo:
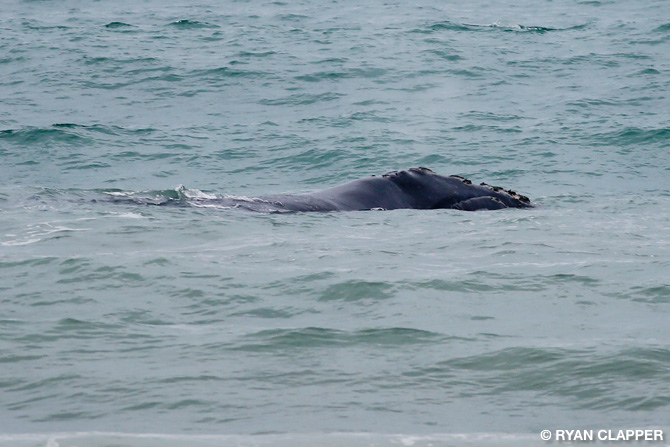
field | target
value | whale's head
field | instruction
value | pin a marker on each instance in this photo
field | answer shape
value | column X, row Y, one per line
column 429, row 190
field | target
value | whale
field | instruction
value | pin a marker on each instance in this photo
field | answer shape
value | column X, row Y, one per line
column 414, row 188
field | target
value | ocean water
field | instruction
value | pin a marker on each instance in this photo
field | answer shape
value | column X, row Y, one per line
column 123, row 323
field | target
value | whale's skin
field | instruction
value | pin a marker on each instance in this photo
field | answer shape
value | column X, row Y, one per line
column 415, row 188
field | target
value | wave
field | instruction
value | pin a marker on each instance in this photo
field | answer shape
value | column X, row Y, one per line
column 270, row 440
column 118, row 25
column 179, row 195
column 67, row 133
column 516, row 28
column 583, row 371
column 37, row 135
column 366, row 73
column 185, row 197
column 301, row 99
column 317, row 337
column 92, row 60
column 192, row 24
column 225, row 72
column 633, row 136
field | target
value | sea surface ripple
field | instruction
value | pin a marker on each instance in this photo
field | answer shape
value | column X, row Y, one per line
column 127, row 322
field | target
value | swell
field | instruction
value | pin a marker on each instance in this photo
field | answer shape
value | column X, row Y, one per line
column 318, row 337
column 632, row 136
column 66, row 134
column 623, row 379
column 448, row 25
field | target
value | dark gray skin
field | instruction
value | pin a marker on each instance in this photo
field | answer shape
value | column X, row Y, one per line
column 416, row 188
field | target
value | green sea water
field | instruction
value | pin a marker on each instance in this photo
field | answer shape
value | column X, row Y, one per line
column 123, row 323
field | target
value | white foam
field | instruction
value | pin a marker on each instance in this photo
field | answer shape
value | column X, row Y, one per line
column 247, row 199
column 210, row 205
column 119, row 193
column 36, row 233
column 20, row 242
column 128, row 215
column 196, row 194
